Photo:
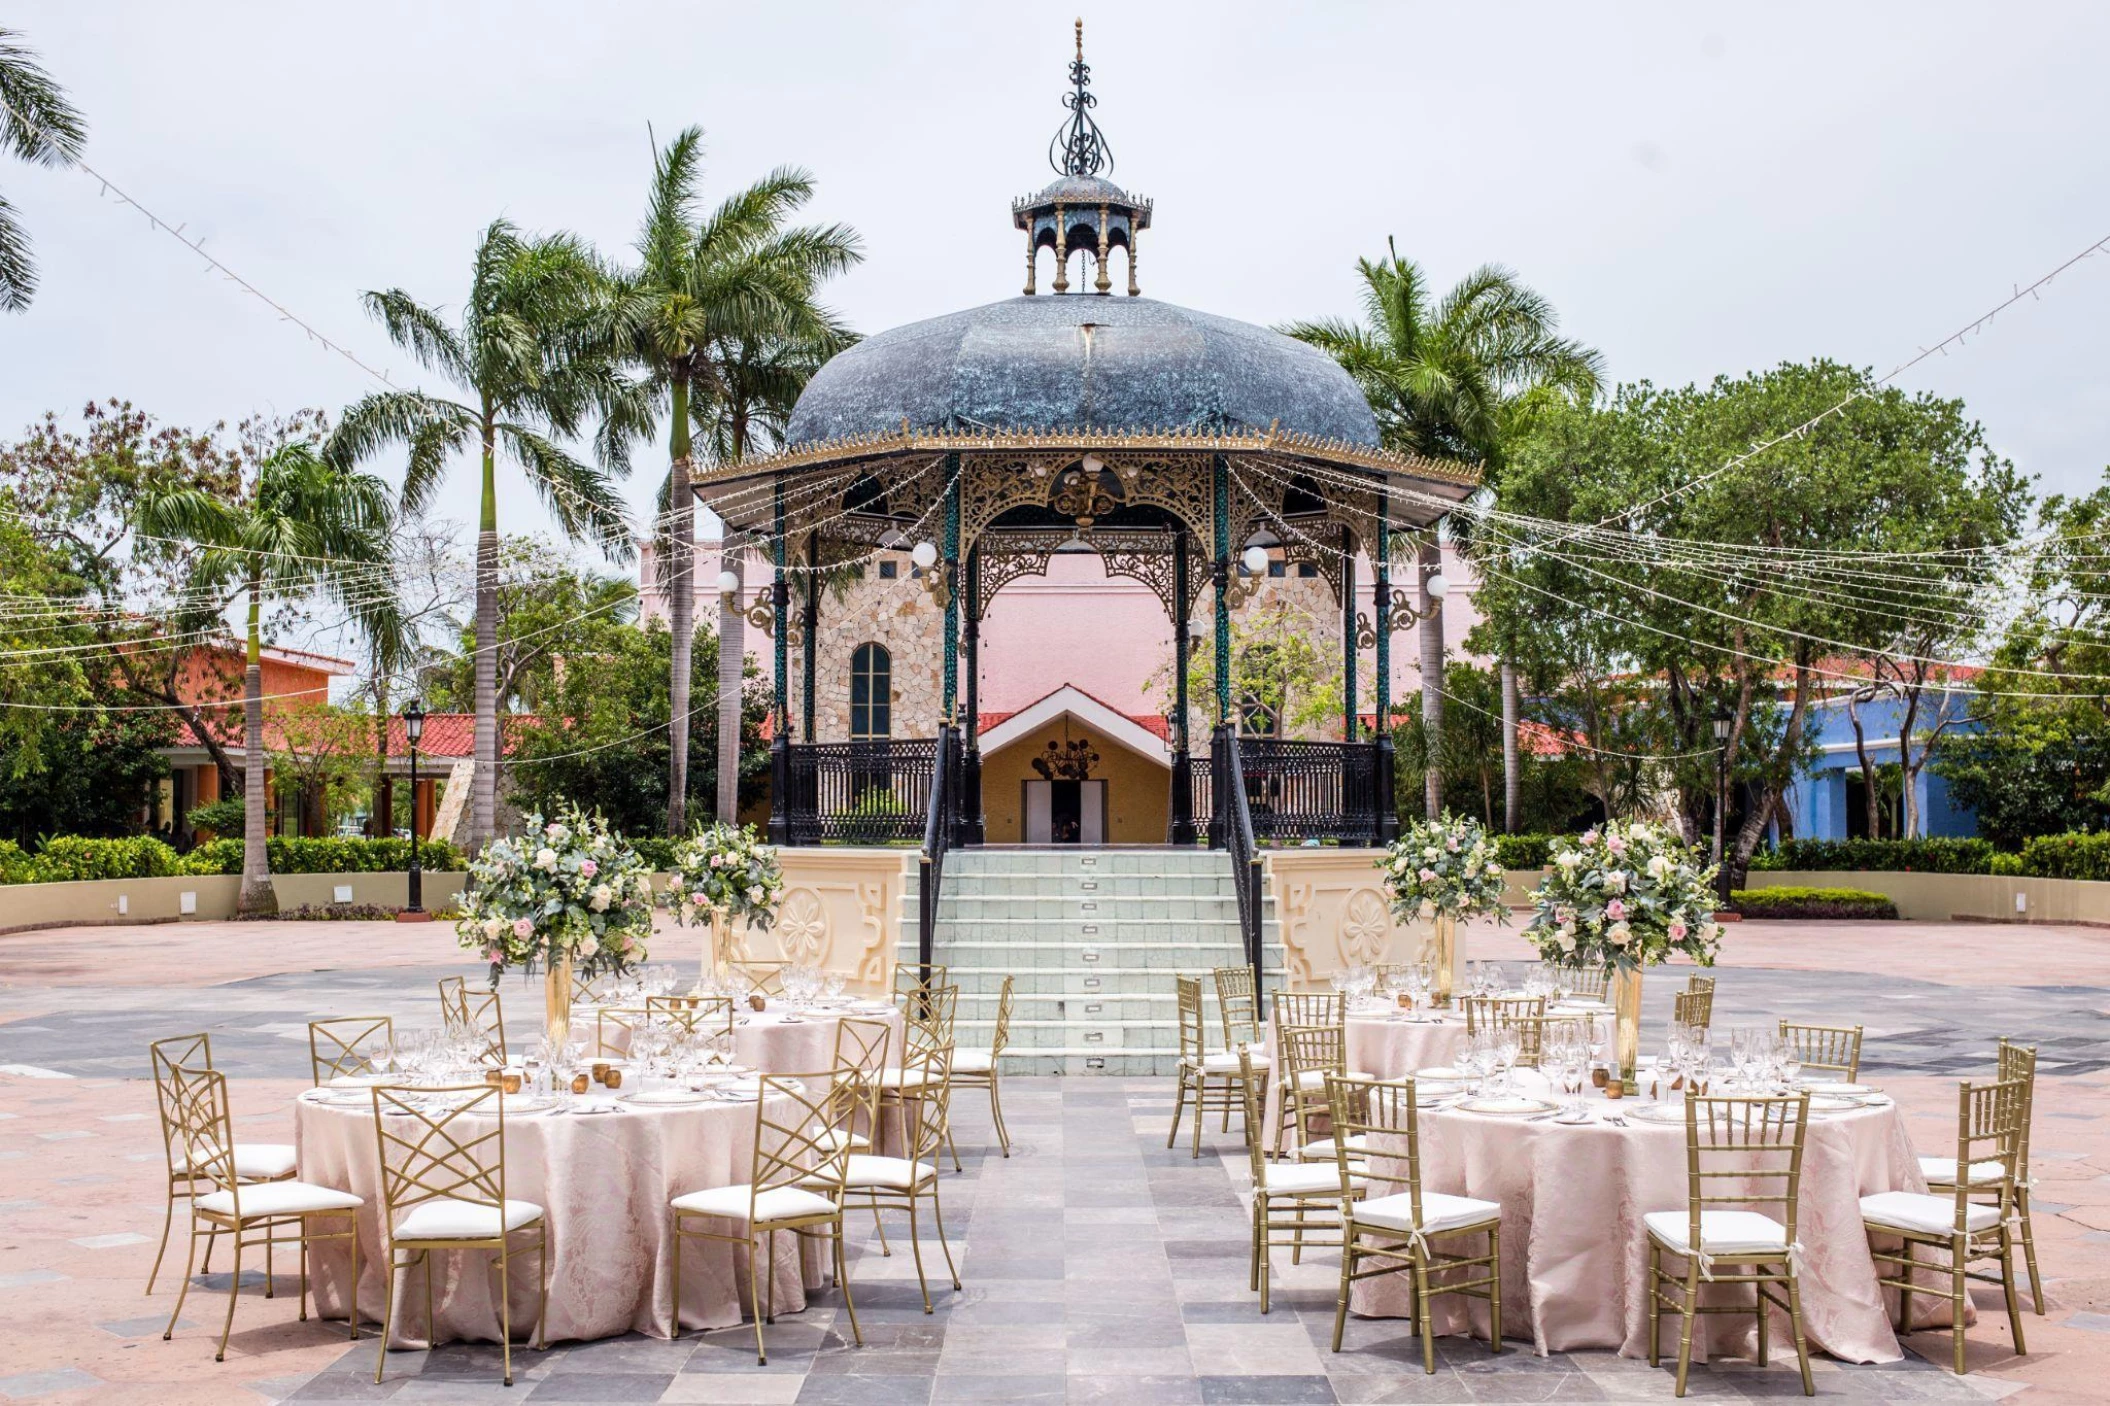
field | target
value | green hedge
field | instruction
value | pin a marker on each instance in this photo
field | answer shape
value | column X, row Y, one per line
column 1942, row 855
column 656, row 850
column 70, row 858
column 1790, row 901
column 1524, row 851
column 2066, row 857
column 330, row 855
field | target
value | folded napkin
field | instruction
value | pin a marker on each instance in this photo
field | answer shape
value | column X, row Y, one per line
column 1512, row 1103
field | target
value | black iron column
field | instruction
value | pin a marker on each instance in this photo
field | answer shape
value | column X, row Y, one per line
column 952, row 588
column 1381, row 615
column 971, row 829
column 812, row 628
column 1347, row 635
column 1181, row 830
column 780, row 743
column 1220, row 497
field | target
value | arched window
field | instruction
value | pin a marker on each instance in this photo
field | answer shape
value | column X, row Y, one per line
column 871, row 693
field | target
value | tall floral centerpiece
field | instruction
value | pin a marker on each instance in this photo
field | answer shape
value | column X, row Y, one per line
column 723, row 872
column 565, row 894
column 1438, row 872
column 1621, row 899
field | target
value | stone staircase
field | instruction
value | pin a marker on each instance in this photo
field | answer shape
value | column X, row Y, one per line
column 1094, row 938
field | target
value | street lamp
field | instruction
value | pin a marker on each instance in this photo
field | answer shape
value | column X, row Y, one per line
column 413, row 729
column 1724, row 724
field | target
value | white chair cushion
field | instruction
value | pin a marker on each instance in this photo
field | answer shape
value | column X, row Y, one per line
column 1304, row 1179
column 1316, row 1078
column 261, row 1161
column 734, row 1202
column 1941, row 1171
column 891, row 1173
column 1721, row 1232
column 445, row 1218
column 1224, row 1063
column 1322, row 1150
column 280, row 1198
column 1438, row 1212
column 1928, row 1215
column 972, row 1061
column 900, row 1077
column 835, row 1139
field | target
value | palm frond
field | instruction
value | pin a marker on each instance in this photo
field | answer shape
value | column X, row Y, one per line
column 579, row 496
column 18, row 271
column 431, row 428
column 36, row 122
column 419, row 330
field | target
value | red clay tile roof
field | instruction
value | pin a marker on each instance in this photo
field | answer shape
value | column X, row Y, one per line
column 446, row 734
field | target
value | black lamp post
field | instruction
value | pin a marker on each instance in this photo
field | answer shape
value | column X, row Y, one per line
column 414, row 728
column 1724, row 724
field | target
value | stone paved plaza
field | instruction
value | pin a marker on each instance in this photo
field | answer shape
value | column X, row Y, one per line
column 1098, row 1266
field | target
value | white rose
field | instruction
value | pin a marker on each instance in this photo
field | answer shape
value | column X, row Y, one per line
column 495, row 928
column 545, row 858
column 1660, row 866
column 590, row 946
column 1432, row 852
column 601, row 898
column 1568, row 859
column 1615, row 881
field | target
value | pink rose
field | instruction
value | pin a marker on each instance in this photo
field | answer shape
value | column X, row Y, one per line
column 717, row 861
column 523, row 927
column 589, row 868
column 1589, row 837
column 1615, row 910
column 494, row 954
column 1678, row 930
column 1616, row 845
column 1428, row 876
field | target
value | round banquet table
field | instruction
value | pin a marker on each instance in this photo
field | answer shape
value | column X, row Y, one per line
column 1575, row 1254
column 1379, row 1045
column 777, row 1040
column 604, row 1182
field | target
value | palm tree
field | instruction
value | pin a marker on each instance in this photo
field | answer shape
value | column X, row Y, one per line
column 1452, row 379
column 298, row 512
column 518, row 354
column 36, row 124
column 701, row 288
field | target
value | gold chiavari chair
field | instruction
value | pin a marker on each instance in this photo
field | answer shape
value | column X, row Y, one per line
column 1693, row 1008
column 904, row 1183
column 482, row 1010
column 582, row 989
column 909, row 982
column 1700, row 983
column 1237, row 1006
column 1308, row 1054
column 238, row 1207
column 795, row 1183
column 927, row 1028
column 1990, row 1119
column 443, row 1189
column 860, row 1057
column 1537, row 1033
column 1583, row 983
column 711, row 1014
column 253, row 1161
column 2017, row 1062
column 1739, row 1152
column 1212, row 1078
column 346, row 1046
column 1398, row 1228
column 1829, row 1049
column 1309, row 1008
column 977, row 1068
column 1301, row 1189
column 1500, row 1012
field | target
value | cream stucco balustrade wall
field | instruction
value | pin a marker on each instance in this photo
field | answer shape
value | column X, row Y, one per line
column 1332, row 912
column 841, row 912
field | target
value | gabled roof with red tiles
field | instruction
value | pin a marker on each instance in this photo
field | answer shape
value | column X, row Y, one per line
column 446, row 735
column 1155, row 723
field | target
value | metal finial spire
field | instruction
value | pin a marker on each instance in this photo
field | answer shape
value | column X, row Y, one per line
column 1080, row 148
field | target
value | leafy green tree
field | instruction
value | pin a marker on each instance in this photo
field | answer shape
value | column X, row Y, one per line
column 1658, row 481
column 1452, row 378
column 1280, row 683
column 705, row 295
column 521, row 355
column 36, row 124
column 296, row 511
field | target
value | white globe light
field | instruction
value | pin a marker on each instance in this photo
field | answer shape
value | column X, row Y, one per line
column 1436, row 586
column 1255, row 560
column 925, row 556
column 727, row 583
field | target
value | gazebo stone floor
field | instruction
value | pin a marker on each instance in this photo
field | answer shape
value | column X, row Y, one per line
column 1098, row 1265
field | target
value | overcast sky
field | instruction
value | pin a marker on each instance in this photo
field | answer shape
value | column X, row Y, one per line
column 1698, row 191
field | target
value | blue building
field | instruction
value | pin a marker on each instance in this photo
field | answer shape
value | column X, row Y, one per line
column 1829, row 802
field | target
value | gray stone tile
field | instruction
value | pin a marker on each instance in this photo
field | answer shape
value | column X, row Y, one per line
column 23, row 1385
column 866, row 1391
column 1266, row 1391
column 603, row 1386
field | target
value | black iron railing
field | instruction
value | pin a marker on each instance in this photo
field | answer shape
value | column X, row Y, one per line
column 1235, row 824
column 1312, row 790
column 858, row 793
column 940, row 833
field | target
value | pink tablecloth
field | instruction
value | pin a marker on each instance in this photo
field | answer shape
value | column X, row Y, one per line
column 603, row 1181
column 1575, row 1254
column 1377, row 1045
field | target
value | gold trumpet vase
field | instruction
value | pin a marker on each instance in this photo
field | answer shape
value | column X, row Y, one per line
column 1448, row 966
column 719, row 958
column 1626, row 1034
column 556, row 999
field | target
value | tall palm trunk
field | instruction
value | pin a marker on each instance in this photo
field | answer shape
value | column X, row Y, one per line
column 1512, row 778
column 680, row 539
column 384, row 799
column 483, row 788
column 732, row 661
column 257, row 896
column 1431, row 558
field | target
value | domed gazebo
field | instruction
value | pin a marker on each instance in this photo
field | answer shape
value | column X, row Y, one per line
column 1173, row 442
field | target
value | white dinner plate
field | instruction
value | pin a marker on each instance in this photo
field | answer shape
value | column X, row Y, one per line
column 1438, row 1071
column 356, row 1081
column 1828, row 1103
column 1657, row 1112
column 1839, row 1090
column 1505, row 1106
column 669, row 1098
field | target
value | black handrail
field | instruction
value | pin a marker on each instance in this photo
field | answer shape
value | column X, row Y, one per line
column 938, row 837
column 862, row 793
column 1236, row 825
